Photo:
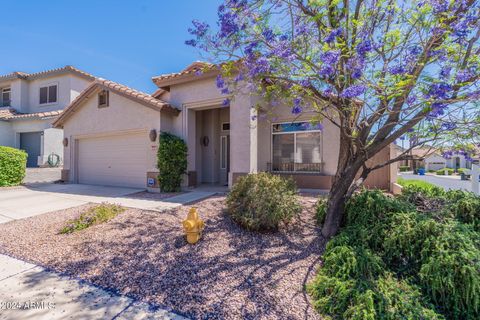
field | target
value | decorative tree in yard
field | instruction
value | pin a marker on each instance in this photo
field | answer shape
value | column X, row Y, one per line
column 379, row 70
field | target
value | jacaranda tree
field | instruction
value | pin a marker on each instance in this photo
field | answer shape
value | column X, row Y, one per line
column 379, row 70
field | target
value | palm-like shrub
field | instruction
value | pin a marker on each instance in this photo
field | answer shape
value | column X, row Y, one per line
column 261, row 201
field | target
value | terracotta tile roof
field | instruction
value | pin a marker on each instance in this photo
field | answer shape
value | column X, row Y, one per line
column 120, row 88
column 423, row 152
column 165, row 79
column 47, row 73
column 135, row 95
column 9, row 113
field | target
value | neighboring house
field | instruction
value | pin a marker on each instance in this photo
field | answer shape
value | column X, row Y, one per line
column 433, row 159
column 458, row 160
column 28, row 105
column 112, row 133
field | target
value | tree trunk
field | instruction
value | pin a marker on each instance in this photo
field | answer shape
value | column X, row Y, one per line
column 342, row 188
column 337, row 198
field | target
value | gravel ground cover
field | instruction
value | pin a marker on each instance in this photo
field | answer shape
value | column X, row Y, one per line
column 153, row 195
column 229, row 274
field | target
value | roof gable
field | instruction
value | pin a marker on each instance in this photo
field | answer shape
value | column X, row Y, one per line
column 122, row 90
column 47, row 73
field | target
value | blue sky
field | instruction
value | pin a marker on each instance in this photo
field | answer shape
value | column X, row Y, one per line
column 124, row 41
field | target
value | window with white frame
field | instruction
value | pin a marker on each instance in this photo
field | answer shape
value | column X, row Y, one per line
column 296, row 147
column 48, row 94
column 6, row 97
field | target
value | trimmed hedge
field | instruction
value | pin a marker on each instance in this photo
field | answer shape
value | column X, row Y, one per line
column 12, row 166
column 441, row 172
column 172, row 162
column 404, row 168
column 261, row 201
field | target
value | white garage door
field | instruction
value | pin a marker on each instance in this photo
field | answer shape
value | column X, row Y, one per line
column 114, row 160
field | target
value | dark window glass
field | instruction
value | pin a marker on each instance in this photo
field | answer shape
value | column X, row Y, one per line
column 283, row 152
column 52, row 94
column 225, row 126
column 43, row 95
column 103, row 98
column 6, row 97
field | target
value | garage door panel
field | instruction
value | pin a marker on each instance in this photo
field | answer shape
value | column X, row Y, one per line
column 115, row 160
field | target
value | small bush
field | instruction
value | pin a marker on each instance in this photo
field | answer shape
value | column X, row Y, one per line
column 12, row 166
column 172, row 162
column 95, row 215
column 441, row 172
column 404, row 168
column 261, row 201
column 462, row 170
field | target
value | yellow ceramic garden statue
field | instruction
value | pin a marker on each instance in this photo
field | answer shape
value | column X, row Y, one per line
column 193, row 226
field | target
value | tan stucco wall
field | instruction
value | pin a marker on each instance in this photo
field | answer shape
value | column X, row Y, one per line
column 203, row 94
column 25, row 94
column 122, row 116
column 250, row 139
column 69, row 87
column 6, row 134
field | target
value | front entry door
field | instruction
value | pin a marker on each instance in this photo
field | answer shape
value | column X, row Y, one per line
column 224, row 158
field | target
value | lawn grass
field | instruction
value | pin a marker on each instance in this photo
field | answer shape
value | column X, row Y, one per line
column 96, row 215
column 418, row 183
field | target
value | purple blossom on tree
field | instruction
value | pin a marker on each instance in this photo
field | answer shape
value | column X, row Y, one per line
column 377, row 70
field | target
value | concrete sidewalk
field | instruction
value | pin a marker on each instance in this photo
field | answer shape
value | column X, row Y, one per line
column 30, row 292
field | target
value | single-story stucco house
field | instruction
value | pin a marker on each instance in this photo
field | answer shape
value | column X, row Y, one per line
column 432, row 159
column 111, row 136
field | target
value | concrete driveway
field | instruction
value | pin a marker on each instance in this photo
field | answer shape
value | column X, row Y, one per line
column 42, row 175
column 23, row 202
column 27, row 201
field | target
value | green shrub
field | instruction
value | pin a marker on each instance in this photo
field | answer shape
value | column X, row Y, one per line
column 450, row 272
column 354, row 284
column 404, row 168
column 392, row 262
column 371, row 206
column 321, row 210
column 465, row 208
column 172, row 162
column 261, row 201
column 12, row 166
column 96, row 215
column 462, row 170
column 398, row 299
column 441, row 172
column 417, row 193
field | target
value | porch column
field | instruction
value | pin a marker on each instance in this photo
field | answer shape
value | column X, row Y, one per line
column 243, row 138
column 190, row 134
